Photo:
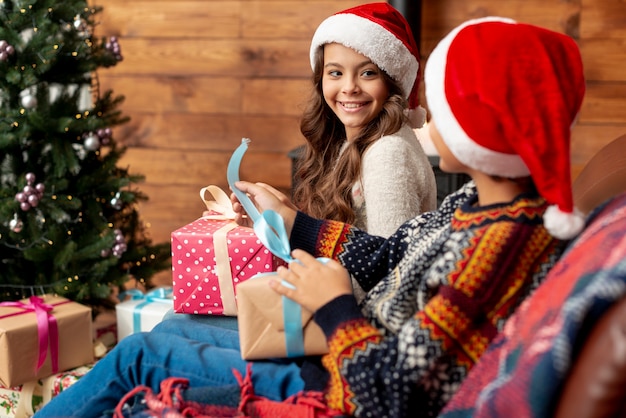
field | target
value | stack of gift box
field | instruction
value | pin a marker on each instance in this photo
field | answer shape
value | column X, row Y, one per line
column 46, row 344
column 213, row 256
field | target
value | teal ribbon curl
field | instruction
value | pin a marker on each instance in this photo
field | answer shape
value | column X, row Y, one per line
column 269, row 227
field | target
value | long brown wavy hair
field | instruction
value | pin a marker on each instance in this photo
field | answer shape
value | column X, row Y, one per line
column 324, row 176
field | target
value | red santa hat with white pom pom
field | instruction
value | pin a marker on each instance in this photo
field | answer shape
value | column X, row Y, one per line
column 383, row 35
column 504, row 96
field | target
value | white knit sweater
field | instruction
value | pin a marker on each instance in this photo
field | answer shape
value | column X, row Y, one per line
column 397, row 183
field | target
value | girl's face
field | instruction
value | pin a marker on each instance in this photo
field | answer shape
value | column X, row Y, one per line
column 353, row 87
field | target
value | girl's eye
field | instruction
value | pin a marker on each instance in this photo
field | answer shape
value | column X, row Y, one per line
column 334, row 73
column 369, row 73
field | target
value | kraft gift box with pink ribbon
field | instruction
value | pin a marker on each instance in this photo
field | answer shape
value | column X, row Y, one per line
column 143, row 311
column 41, row 336
column 212, row 255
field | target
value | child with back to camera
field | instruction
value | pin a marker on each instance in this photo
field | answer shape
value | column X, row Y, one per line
column 442, row 285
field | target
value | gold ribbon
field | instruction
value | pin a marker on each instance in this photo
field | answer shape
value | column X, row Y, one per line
column 221, row 209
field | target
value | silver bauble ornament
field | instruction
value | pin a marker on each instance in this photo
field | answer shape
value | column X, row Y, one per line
column 16, row 225
column 29, row 101
column 92, row 143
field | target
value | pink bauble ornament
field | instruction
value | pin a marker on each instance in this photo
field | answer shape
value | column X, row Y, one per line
column 33, row 200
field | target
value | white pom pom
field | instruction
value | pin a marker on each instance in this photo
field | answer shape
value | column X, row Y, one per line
column 563, row 225
column 417, row 117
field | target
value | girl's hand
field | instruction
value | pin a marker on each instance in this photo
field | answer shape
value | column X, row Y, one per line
column 264, row 197
column 315, row 283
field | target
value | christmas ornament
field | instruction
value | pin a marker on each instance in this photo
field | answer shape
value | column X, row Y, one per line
column 92, row 143
column 120, row 243
column 28, row 101
column 80, row 25
column 116, row 202
column 32, row 193
column 119, row 247
column 16, row 224
column 6, row 50
column 105, row 135
column 80, row 151
column 113, row 46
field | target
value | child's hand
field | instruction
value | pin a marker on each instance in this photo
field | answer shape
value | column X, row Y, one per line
column 316, row 283
column 264, row 197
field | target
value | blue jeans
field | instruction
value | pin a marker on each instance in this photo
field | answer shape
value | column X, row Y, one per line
column 202, row 353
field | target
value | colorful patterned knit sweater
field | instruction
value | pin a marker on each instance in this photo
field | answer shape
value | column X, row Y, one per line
column 440, row 289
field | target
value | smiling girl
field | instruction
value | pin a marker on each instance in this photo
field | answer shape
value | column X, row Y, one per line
column 362, row 162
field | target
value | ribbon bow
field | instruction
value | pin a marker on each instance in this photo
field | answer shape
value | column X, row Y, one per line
column 158, row 295
column 47, row 328
column 220, row 208
column 269, row 227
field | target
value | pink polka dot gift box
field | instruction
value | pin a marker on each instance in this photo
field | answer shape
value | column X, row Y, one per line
column 211, row 256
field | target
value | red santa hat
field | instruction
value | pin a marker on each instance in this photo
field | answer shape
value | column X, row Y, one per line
column 382, row 34
column 504, row 96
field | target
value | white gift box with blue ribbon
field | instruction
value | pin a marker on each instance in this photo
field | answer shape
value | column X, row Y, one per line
column 271, row 325
column 143, row 311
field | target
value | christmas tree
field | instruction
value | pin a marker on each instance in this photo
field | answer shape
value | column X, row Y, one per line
column 68, row 212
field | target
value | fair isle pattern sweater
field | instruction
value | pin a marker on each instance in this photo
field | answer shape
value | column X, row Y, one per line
column 440, row 289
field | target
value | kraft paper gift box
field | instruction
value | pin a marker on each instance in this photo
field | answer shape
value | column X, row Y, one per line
column 261, row 322
column 24, row 400
column 211, row 256
column 42, row 336
column 143, row 311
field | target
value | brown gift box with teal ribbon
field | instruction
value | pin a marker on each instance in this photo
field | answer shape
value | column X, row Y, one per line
column 41, row 336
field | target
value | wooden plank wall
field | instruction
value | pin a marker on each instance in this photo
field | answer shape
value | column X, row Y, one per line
column 198, row 75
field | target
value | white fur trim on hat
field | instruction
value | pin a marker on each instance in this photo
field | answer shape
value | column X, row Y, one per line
column 373, row 41
column 464, row 148
column 563, row 225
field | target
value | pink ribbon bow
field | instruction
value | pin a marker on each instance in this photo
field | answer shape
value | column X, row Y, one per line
column 47, row 329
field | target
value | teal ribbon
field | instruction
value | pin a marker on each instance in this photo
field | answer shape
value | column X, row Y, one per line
column 232, row 175
column 158, row 295
column 269, row 227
